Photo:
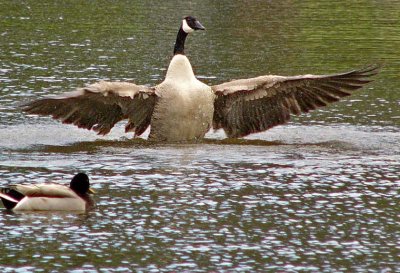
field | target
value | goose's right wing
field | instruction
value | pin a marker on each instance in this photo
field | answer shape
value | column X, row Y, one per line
column 100, row 106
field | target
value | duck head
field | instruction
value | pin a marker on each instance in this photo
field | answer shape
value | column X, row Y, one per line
column 80, row 184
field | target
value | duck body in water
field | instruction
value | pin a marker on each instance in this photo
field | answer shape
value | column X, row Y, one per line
column 49, row 196
column 182, row 108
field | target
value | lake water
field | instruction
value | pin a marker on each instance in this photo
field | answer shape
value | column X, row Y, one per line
column 320, row 194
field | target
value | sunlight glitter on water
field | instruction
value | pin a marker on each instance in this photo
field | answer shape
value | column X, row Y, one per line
column 317, row 195
column 274, row 209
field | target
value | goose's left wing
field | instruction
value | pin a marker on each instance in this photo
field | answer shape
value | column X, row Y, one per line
column 253, row 105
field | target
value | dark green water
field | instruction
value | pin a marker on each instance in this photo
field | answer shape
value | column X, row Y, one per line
column 320, row 194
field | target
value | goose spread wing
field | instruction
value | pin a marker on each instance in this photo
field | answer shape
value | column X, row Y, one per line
column 253, row 105
column 100, row 106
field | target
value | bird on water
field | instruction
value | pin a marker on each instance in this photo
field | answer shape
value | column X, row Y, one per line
column 49, row 196
column 182, row 108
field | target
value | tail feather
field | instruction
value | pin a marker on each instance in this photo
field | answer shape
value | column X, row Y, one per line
column 10, row 197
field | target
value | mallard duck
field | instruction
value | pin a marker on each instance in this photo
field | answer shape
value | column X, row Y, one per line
column 182, row 108
column 49, row 196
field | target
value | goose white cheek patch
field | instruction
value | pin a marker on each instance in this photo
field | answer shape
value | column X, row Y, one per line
column 186, row 27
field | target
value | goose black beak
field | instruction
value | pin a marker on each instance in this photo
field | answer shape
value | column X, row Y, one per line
column 199, row 26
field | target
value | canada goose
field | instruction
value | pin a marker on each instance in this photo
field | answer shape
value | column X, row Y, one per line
column 183, row 108
column 33, row 197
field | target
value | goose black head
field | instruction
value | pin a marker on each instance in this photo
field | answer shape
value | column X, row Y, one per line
column 190, row 24
column 80, row 184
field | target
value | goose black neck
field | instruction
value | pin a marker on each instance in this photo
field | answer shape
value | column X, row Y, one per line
column 180, row 42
